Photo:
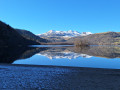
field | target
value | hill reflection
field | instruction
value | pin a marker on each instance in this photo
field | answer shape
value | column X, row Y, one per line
column 9, row 55
column 100, row 51
column 86, row 52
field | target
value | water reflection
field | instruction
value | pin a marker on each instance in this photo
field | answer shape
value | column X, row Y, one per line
column 62, row 52
column 101, row 51
column 9, row 55
column 86, row 52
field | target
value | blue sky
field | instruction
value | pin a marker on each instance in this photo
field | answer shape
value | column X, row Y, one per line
column 40, row 16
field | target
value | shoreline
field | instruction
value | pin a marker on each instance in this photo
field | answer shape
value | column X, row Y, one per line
column 57, row 66
column 55, row 77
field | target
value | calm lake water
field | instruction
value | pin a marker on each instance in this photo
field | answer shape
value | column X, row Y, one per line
column 62, row 55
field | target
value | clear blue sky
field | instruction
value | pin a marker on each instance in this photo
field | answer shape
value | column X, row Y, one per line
column 40, row 16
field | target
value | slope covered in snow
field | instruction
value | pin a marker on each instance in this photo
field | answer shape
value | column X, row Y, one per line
column 69, row 33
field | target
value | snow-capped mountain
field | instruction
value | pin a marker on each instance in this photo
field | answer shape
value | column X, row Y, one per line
column 69, row 33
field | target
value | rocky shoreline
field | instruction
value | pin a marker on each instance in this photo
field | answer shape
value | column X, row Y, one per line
column 60, row 78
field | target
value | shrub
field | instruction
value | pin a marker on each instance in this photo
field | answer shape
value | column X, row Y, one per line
column 80, row 42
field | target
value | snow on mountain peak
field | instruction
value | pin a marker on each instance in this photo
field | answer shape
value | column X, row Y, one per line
column 51, row 31
column 68, row 33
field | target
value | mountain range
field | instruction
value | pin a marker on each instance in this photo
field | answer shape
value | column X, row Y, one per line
column 61, row 36
column 105, row 38
column 69, row 33
column 10, row 36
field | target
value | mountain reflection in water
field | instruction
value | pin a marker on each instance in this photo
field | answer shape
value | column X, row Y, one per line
column 86, row 52
column 9, row 55
column 61, row 53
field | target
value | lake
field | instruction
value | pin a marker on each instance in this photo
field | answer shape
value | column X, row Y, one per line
column 63, row 55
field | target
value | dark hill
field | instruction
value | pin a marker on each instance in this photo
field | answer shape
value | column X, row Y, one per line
column 10, row 37
column 29, row 35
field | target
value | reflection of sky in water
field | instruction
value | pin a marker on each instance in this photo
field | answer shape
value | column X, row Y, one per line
column 95, row 62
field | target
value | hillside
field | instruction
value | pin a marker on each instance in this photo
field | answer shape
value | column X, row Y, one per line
column 10, row 37
column 30, row 36
column 106, row 38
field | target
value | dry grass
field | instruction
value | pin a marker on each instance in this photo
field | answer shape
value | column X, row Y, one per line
column 80, row 42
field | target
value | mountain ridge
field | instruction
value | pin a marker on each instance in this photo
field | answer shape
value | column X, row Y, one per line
column 61, row 36
column 69, row 33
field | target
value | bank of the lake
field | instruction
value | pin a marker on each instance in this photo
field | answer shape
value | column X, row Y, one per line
column 60, row 78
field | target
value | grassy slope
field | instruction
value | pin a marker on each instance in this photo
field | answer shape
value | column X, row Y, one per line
column 106, row 38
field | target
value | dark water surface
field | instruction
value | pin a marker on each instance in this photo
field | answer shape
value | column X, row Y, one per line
column 59, row 55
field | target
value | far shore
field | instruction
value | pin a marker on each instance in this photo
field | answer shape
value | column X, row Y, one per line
column 51, row 44
column 57, row 43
